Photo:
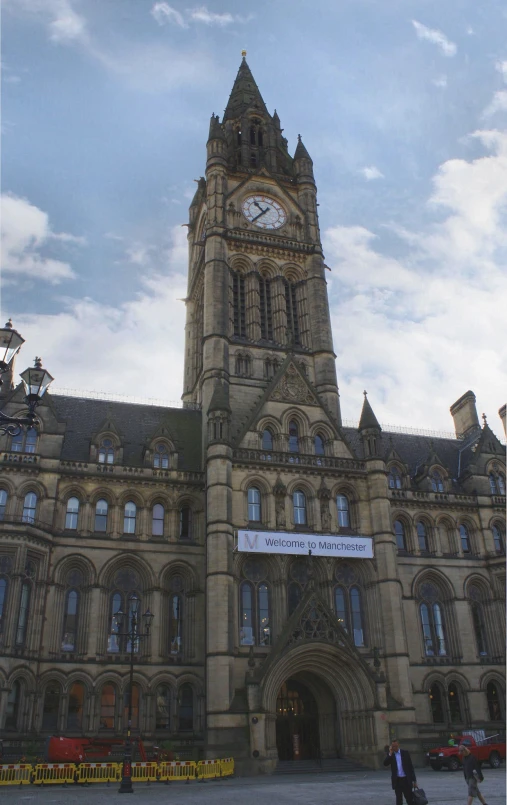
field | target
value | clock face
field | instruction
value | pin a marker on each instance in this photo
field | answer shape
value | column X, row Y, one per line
column 264, row 212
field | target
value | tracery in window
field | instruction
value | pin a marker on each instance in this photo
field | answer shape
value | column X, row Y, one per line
column 72, row 514
column 106, row 452
column 299, row 578
column 270, row 367
column 161, row 457
column 254, row 605
column 126, row 584
column 23, row 613
column 4, row 586
column 243, row 365
column 348, row 603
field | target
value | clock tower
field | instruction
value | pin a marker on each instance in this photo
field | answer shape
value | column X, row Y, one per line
column 256, row 287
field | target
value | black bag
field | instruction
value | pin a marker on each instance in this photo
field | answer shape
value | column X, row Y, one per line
column 419, row 797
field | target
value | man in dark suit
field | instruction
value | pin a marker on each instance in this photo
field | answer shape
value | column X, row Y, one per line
column 402, row 772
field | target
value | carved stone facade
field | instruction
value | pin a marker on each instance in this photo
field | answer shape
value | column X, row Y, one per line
column 248, row 653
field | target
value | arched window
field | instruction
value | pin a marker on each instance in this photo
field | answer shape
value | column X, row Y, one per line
column 270, row 367
column 401, row 540
column 498, row 539
column 394, row 478
column 454, row 700
column 72, row 514
column 243, row 364
column 107, row 707
column 422, row 536
column 492, row 484
column 157, row 520
column 161, row 457
column 70, row 621
column 113, row 643
column 433, row 626
column 186, row 708
column 12, row 710
column 319, row 445
column 501, row 483
column 266, row 309
column 136, row 701
column 129, row 518
column 254, row 605
column 437, row 483
column 185, row 522
column 29, row 507
column 299, row 506
column 475, row 597
column 25, row 441
column 163, row 705
column 254, row 505
column 3, row 503
column 348, row 603
column 342, row 505
column 23, row 613
column 238, row 297
column 76, row 707
column 120, row 602
column 293, row 437
column 101, row 509
column 4, row 586
column 176, row 616
column 465, row 538
column 52, row 697
column 496, row 706
column 106, row 452
column 291, row 308
column 436, row 703
column 267, row 439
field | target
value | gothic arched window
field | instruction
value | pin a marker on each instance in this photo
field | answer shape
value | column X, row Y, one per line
column 157, row 520
column 25, row 441
column 437, row 483
column 254, row 505
column 75, row 707
column 437, row 704
column 163, row 708
column 70, row 621
column 401, row 540
column 267, row 439
column 394, row 478
column 161, row 457
column 238, row 297
column 501, row 483
column 254, row 605
column 299, row 506
column 291, row 308
column 432, row 621
column 186, row 708
column 12, row 709
column 293, row 437
column 3, row 503
column 101, row 510
column 126, row 581
column 72, row 514
column 342, row 505
column 465, row 538
column 492, row 484
column 498, row 539
column 319, row 445
column 106, row 452
column 29, row 507
column 107, row 707
column 266, row 308
column 496, row 702
column 51, row 706
column 348, row 603
column 129, row 518
column 422, row 536
column 454, row 697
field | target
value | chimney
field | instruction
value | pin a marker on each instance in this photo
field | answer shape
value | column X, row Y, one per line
column 501, row 414
column 464, row 413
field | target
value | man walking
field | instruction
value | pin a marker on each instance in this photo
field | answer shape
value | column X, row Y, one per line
column 402, row 773
column 472, row 773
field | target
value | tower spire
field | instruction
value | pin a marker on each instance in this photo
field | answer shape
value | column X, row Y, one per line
column 245, row 94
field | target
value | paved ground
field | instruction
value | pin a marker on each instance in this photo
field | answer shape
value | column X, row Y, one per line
column 368, row 788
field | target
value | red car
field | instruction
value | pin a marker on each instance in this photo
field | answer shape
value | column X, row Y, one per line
column 486, row 751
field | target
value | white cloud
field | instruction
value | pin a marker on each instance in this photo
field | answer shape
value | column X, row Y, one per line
column 438, row 38
column 26, row 234
column 63, row 22
column 418, row 331
column 498, row 104
column 202, row 14
column 371, row 172
column 84, row 344
column 163, row 13
column 440, row 81
column 501, row 66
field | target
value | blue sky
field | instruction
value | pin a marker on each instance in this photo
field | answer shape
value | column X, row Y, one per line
column 403, row 107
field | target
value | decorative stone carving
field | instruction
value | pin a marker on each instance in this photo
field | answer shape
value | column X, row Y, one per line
column 324, row 495
column 293, row 389
column 279, row 492
column 316, row 624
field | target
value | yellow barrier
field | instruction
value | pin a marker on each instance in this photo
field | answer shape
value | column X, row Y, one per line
column 16, row 774
column 49, row 773
column 98, row 773
column 177, row 770
column 144, row 771
column 226, row 766
column 208, row 769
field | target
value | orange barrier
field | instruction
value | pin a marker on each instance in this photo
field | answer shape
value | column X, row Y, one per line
column 98, row 773
column 16, row 774
column 177, row 770
column 208, row 769
column 144, row 771
column 49, row 773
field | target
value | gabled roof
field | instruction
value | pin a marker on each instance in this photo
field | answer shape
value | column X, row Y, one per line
column 244, row 95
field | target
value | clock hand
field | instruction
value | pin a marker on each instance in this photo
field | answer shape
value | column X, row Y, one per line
column 262, row 212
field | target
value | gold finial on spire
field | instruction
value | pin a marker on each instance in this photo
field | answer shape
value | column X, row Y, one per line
column 243, row 53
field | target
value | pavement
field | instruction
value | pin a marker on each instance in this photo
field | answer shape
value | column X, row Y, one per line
column 363, row 788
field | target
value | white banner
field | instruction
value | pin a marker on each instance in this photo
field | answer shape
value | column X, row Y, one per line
column 284, row 542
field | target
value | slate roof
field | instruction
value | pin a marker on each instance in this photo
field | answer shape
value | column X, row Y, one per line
column 136, row 426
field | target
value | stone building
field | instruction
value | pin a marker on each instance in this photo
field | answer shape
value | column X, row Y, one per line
column 268, row 655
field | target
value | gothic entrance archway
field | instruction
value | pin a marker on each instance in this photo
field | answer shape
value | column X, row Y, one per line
column 305, row 719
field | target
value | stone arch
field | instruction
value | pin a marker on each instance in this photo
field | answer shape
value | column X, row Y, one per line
column 267, row 268
column 79, row 676
column 31, row 486
column 103, row 493
column 480, row 581
column 179, row 568
column 438, row 578
column 241, row 263
column 446, row 527
column 298, row 416
column 292, row 272
column 131, row 560
column 74, row 561
column 23, row 674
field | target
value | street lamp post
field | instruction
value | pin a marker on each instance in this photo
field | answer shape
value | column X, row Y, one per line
column 132, row 633
column 36, row 381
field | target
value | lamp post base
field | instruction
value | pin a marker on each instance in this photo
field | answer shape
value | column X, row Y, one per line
column 126, row 772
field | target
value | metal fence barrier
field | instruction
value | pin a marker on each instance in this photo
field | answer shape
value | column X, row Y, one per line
column 49, row 773
column 16, row 774
column 98, row 772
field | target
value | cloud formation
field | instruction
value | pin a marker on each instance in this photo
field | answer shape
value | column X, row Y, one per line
column 26, row 235
column 165, row 14
column 435, row 36
column 371, row 172
column 63, row 22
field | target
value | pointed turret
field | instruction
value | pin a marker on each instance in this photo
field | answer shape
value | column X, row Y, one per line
column 216, row 131
column 301, row 151
column 244, row 95
column 369, row 430
column 368, row 419
column 219, row 400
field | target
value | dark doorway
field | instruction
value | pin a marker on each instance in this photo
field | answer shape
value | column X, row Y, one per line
column 297, row 722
